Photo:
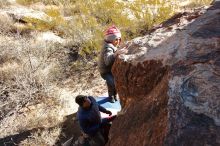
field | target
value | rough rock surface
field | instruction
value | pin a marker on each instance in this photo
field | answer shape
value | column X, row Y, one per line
column 169, row 84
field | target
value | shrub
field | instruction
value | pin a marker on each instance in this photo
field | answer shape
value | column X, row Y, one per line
column 91, row 17
column 42, row 137
column 133, row 19
column 28, row 72
column 4, row 3
column 26, row 2
column 6, row 23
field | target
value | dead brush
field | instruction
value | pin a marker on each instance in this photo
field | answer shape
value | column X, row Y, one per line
column 29, row 71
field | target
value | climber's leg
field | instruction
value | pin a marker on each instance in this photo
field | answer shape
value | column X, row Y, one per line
column 111, row 86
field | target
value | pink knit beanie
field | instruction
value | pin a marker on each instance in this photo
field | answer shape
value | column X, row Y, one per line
column 112, row 33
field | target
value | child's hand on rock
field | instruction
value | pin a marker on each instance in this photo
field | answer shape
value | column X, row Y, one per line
column 121, row 51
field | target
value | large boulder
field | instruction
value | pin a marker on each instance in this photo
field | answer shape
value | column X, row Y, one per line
column 169, row 84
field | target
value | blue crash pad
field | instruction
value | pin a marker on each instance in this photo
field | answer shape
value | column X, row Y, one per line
column 113, row 107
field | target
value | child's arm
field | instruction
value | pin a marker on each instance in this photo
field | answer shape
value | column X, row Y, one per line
column 109, row 56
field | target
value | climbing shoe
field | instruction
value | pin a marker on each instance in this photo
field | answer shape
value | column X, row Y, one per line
column 112, row 100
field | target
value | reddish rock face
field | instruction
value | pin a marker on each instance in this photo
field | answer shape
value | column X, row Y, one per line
column 169, row 84
column 143, row 121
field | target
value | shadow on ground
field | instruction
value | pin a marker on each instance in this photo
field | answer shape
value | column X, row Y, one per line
column 70, row 128
column 16, row 139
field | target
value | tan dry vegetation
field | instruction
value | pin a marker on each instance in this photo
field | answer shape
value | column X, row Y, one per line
column 195, row 3
column 42, row 137
column 29, row 72
column 39, row 78
column 4, row 3
column 6, row 23
column 33, row 87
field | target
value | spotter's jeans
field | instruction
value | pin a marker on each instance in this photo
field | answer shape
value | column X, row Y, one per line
column 108, row 77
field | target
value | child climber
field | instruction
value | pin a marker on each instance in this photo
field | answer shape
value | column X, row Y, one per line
column 112, row 39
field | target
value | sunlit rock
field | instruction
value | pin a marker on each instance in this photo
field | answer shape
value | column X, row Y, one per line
column 169, row 84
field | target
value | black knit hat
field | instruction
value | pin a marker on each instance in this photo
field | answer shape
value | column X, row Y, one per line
column 80, row 99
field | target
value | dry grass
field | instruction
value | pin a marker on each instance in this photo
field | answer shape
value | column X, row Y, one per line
column 6, row 23
column 4, row 3
column 84, row 26
column 32, row 72
column 196, row 3
column 43, row 137
column 29, row 71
